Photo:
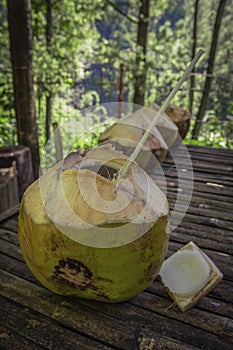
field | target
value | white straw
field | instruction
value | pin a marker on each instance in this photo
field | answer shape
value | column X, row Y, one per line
column 122, row 173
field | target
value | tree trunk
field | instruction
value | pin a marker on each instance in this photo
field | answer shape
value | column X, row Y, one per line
column 48, row 114
column 140, row 75
column 194, row 45
column 49, row 95
column 120, row 91
column 19, row 21
column 210, row 67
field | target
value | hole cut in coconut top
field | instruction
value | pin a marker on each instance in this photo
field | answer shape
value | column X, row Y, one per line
column 98, row 199
column 106, row 171
column 80, row 203
column 102, row 160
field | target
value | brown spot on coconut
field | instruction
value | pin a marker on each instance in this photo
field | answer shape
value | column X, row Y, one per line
column 85, row 233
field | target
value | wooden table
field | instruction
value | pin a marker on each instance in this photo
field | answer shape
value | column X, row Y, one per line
column 34, row 318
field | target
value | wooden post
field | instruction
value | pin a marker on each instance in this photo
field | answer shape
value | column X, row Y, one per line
column 58, row 142
column 21, row 155
column 21, row 47
column 8, row 188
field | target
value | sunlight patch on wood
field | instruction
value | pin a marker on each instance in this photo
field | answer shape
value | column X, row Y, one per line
column 214, row 184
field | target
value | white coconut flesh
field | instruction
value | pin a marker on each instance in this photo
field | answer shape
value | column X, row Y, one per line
column 185, row 272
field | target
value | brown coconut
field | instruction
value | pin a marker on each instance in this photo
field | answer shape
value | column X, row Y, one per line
column 179, row 116
column 126, row 133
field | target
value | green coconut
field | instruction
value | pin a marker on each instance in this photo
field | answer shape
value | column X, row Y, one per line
column 84, row 233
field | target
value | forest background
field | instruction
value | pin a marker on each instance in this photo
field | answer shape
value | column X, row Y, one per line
column 80, row 46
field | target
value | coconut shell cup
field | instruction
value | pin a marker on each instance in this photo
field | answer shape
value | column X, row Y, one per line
column 183, row 299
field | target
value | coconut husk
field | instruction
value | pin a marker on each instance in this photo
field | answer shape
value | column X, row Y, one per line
column 179, row 116
column 85, row 234
column 127, row 132
column 186, row 302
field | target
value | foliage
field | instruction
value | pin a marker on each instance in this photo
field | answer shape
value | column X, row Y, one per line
column 73, row 48
column 78, row 130
column 215, row 133
column 77, row 43
column 60, row 69
column 7, row 113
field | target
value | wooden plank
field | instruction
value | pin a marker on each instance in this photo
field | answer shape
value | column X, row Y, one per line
column 209, row 228
column 184, row 186
column 200, row 202
column 53, row 336
column 197, row 168
column 11, row 225
column 198, row 193
column 11, row 250
column 10, row 340
column 212, row 158
column 204, row 151
column 223, row 292
column 209, row 221
column 216, row 235
column 223, row 215
column 199, row 230
column 61, row 310
column 18, row 268
column 42, row 330
column 171, row 173
column 208, row 303
column 201, row 242
column 210, row 150
column 9, row 213
column 218, row 164
column 9, row 236
column 188, row 161
column 208, row 181
column 97, row 325
column 195, row 317
column 118, row 324
column 201, row 158
column 203, row 166
column 154, row 315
